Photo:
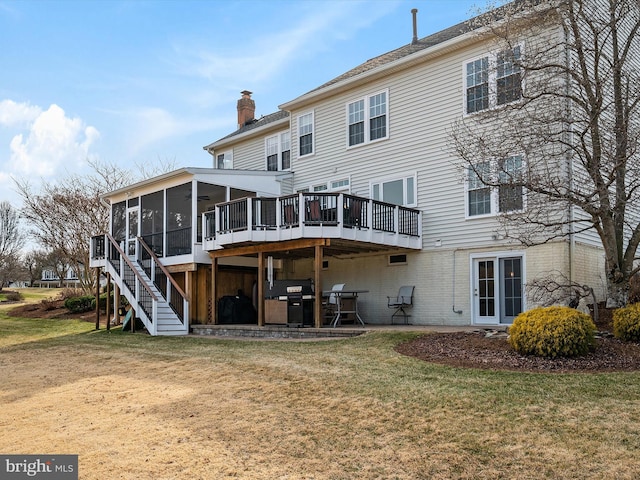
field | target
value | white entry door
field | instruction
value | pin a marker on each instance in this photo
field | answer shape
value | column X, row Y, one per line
column 485, row 291
column 497, row 289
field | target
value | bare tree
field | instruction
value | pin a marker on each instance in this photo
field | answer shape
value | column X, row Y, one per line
column 33, row 263
column 11, row 239
column 66, row 214
column 569, row 115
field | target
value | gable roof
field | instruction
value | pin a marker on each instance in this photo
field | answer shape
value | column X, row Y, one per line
column 398, row 53
column 430, row 41
column 257, row 123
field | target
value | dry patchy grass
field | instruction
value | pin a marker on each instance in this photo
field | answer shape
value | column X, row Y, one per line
column 137, row 407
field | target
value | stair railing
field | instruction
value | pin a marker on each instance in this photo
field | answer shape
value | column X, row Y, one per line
column 163, row 280
column 131, row 278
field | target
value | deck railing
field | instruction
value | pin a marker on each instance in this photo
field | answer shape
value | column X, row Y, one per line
column 131, row 279
column 310, row 209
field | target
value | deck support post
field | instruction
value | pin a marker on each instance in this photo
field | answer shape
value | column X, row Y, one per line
column 261, row 289
column 108, row 302
column 317, row 282
column 98, row 298
column 214, row 274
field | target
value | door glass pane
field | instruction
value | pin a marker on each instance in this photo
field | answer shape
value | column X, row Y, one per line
column 178, row 218
column 133, row 223
column 486, row 289
column 118, row 220
column 410, row 192
column 511, row 273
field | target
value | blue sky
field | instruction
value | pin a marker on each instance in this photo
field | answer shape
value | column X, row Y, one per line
column 142, row 82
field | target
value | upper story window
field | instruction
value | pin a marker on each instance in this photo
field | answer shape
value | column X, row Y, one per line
column 224, row 160
column 398, row 190
column 493, row 80
column 508, row 81
column 278, row 151
column 367, row 119
column 305, row 134
column 483, row 198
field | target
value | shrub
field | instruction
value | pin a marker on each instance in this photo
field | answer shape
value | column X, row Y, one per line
column 14, row 296
column 102, row 301
column 49, row 304
column 626, row 322
column 552, row 332
column 79, row 304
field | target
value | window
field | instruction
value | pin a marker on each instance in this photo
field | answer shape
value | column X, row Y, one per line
column 399, row 259
column 399, row 191
column 340, row 185
column 493, row 80
column 305, row 134
column 370, row 111
column 478, row 85
column 285, row 150
column 479, row 194
column 501, row 191
column 356, row 122
column 510, row 192
column 224, row 161
column 508, row 82
column 278, row 152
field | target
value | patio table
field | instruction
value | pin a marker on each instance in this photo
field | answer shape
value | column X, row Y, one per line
column 343, row 294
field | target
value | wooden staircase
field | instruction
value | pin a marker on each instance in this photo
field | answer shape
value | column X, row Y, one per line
column 158, row 301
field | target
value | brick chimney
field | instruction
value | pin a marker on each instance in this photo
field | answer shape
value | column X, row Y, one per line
column 246, row 108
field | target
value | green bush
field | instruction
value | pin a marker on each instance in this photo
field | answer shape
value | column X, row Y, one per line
column 626, row 322
column 103, row 302
column 552, row 332
column 79, row 304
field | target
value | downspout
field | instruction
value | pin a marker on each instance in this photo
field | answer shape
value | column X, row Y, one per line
column 572, row 240
column 453, row 286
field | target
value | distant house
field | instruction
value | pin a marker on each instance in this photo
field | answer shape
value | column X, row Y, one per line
column 351, row 183
column 50, row 279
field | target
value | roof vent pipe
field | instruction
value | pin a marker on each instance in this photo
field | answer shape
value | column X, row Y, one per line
column 414, row 12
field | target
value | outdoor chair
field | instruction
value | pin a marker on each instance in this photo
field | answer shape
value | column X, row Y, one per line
column 403, row 300
column 314, row 215
column 330, row 303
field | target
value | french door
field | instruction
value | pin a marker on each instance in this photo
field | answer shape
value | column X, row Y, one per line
column 497, row 289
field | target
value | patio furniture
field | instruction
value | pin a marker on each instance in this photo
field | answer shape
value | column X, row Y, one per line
column 403, row 300
column 340, row 295
column 330, row 301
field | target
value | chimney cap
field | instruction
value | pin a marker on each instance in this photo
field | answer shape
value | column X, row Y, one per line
column 246, row 93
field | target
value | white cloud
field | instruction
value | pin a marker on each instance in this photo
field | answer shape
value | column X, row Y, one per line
column 264, row 55
column 14, row 114
column 50, row 142
column 148, row 126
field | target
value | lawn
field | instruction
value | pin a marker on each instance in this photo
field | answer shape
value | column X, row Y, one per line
column 139, row 407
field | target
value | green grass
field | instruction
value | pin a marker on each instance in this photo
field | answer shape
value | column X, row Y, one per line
column 361, row 410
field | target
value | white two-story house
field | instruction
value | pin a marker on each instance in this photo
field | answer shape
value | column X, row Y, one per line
column 354, row 183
